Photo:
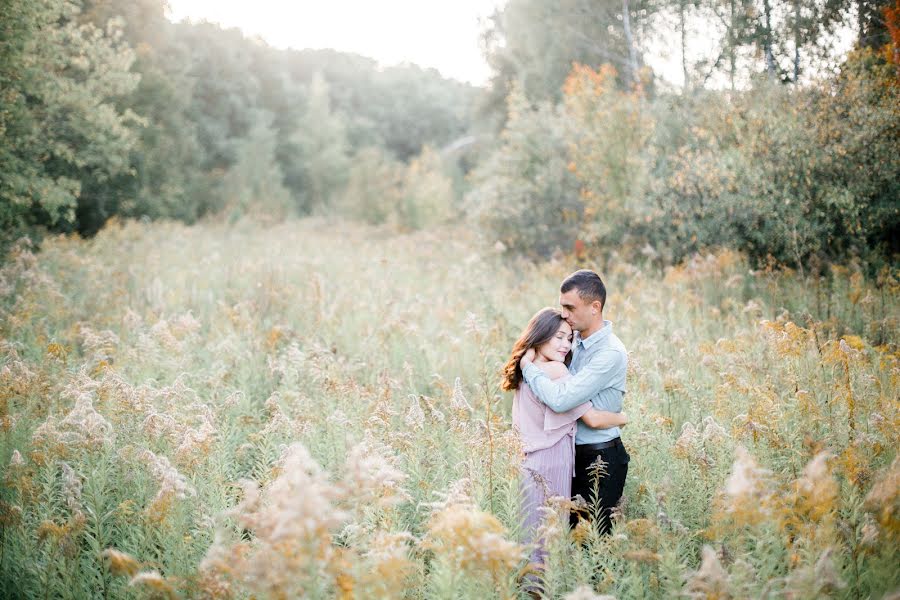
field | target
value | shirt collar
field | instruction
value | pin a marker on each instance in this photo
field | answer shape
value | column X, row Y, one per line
column 595, row 337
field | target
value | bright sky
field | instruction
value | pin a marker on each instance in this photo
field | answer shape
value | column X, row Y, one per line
column 431, row 33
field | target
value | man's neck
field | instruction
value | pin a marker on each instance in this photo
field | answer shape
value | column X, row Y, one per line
column 594, row 328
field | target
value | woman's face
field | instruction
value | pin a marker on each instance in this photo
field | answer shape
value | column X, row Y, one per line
column 557, row 347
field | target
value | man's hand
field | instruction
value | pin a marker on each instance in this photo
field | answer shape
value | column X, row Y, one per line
column 527, row 358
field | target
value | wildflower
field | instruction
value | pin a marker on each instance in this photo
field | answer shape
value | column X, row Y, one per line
column 10, row 514
column 372, row 477
column 644, row 532
column 753, row 307
column 817, row 489
column 686, row 441
column 172, row 484
column 583, row 530
column 789, row 339
column 291, row 520
column 57, row 352
column 746, row 489
column 82, row 428
column 415, row 417
column 458, row 399
column 132, row 320
column 473, row 325
column 16, row 460
column 154, row 583
column 339, row 418
column 121, row 563
column 820, row 580
column 883, row 500
column 161, row 333
column 870, row 533
column 98, row 345
column 195, row 441
column 710, row 581
column 466, row 536
column 71, row 488
column 712, row 431
column 158, row 425
column 643, row 555
column 185, row 325
column 584, row 592
column 472, row 540
column 389, row 561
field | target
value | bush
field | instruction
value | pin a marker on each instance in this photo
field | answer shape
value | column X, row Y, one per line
column 523, row 195
column 791, row 174
column 428, row 196
column 374, row 187
column 780, row 173
column 609, row 131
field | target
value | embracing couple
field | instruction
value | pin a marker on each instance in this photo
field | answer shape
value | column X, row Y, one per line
column 568, row 372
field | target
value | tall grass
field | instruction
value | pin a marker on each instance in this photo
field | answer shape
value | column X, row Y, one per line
column 312, row 410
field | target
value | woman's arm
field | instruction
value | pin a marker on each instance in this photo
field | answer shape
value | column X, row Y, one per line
column 602, row 419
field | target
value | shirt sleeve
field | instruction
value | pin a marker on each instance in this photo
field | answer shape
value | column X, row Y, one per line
column 554, row 420
column 566, row 395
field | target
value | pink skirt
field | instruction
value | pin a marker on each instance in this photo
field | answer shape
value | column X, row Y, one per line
column 545, row 473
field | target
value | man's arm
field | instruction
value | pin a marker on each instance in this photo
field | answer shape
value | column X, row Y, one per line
column 602, row 419
column 568, row 394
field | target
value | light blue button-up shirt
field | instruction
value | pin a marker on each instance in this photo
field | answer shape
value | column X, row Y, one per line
column 598, row 371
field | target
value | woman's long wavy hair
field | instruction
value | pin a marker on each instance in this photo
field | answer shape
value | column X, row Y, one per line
column 540, row 329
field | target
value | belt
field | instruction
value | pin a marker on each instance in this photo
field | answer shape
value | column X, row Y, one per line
column 601, row 445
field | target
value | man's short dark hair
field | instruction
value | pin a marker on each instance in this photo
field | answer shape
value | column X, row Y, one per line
column 588, row 284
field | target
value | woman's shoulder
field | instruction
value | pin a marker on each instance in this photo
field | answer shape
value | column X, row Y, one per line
column 553, row 369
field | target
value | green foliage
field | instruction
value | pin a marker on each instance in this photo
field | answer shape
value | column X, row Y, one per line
column 524, row 195
column 374, row 187
column 773, row 171
column 60, row 127
column 776, row 172
column 381, row 190
column 253, row 186
column 399, row 108
column 428, row 197
column 134, row 401
column 533, row 43
column 608, row 138
column 322, row 143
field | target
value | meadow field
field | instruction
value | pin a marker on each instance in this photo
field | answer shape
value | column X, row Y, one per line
column 312, row 410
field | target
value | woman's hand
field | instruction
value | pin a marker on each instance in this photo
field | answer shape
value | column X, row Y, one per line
column 527, row 358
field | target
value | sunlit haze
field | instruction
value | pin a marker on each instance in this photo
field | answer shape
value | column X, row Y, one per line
column 442, row 35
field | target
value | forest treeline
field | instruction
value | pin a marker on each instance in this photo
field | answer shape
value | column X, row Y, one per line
column 110, row 109
column 779, row 143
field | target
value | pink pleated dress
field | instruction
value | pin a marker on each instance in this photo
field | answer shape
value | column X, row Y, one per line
column 548, row 439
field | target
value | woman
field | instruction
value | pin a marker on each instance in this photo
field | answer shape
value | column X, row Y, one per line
column 548, row 438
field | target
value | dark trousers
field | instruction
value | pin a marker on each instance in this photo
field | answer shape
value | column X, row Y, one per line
column 608, row 487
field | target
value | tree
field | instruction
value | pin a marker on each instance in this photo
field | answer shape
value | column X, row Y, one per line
column 323, row 153
column 608, row 134
column 60, row 126
column 165, row 178
column 524, row 196
column 535, row 42
column 254, row 185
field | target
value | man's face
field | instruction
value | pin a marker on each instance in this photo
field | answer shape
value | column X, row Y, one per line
column 580, row 315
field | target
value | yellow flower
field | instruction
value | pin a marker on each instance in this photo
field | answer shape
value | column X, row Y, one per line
column 121, row 563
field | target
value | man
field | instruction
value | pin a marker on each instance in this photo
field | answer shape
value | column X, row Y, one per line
column 598, row 367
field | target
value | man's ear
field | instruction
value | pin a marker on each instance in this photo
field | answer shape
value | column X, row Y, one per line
column 598, row 305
